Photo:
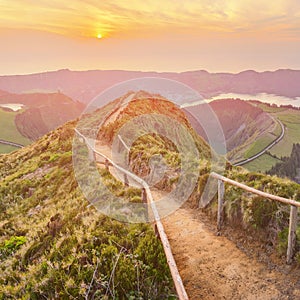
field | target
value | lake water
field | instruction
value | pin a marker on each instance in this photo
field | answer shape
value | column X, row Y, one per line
column 13, row 106
column 263, row 97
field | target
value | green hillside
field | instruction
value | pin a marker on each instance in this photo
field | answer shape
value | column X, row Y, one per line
column 262, row 163
column 40, row 114
column 53, row 245
column 9, row 130
column 290, row 118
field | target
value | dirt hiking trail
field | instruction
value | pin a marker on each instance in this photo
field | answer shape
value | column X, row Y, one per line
column 212, row 267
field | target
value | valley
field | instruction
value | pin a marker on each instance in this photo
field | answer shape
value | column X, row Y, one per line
column 9, row 131
column 290, row 118
column 26, row 117
column 258, row 135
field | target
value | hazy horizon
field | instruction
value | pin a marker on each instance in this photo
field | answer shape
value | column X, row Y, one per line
column 148, row 71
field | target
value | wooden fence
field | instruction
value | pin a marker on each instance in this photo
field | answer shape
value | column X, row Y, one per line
column 147, row 196
column 293, row 209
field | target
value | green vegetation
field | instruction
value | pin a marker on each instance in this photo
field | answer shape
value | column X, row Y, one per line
column 290, row 117
column 261, row 164
column 11, row 245
column 267, row 221
column 9, row 131
column 156, row 106
column 53, row 245
column 289, row 166
column 260, row 144
column 291, row 120
column 42, row 113
column 7, row 148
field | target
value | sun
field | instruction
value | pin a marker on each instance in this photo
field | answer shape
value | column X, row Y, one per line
column 99, row 36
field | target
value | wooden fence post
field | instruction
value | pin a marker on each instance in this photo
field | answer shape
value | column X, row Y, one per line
column 221, row 191
column 292, row 234
column 106, row 165
column 144, row 199
column 91, row 155
column 126, row 182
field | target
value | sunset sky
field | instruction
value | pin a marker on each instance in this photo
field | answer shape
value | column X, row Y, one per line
column 165, row 35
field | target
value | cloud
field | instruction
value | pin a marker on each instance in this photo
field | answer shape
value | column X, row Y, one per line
column 135, row 18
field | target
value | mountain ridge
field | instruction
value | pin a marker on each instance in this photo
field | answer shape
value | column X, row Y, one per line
column 85, row 85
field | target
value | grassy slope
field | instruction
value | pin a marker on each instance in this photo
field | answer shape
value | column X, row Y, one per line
column 291, row 120
column 155, row 106
column 7, row 149
column 9, row 130
column 262, row 163
column 52, row 245
column 261, row 143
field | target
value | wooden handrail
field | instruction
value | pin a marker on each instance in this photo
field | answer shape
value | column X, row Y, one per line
column 123, row 143
column 180, row 289
column 293, row 210
column 255, row 191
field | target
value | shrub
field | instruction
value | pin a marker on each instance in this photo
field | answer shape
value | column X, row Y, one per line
column 11, row 245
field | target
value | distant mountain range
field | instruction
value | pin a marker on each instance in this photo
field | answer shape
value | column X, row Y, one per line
column 85, row 85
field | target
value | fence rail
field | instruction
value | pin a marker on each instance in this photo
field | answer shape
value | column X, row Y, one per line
column 293, row 210
column 180, row 289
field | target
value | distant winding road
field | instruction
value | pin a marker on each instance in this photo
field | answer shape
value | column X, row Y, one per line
column 4, row 142
column 242, row 162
